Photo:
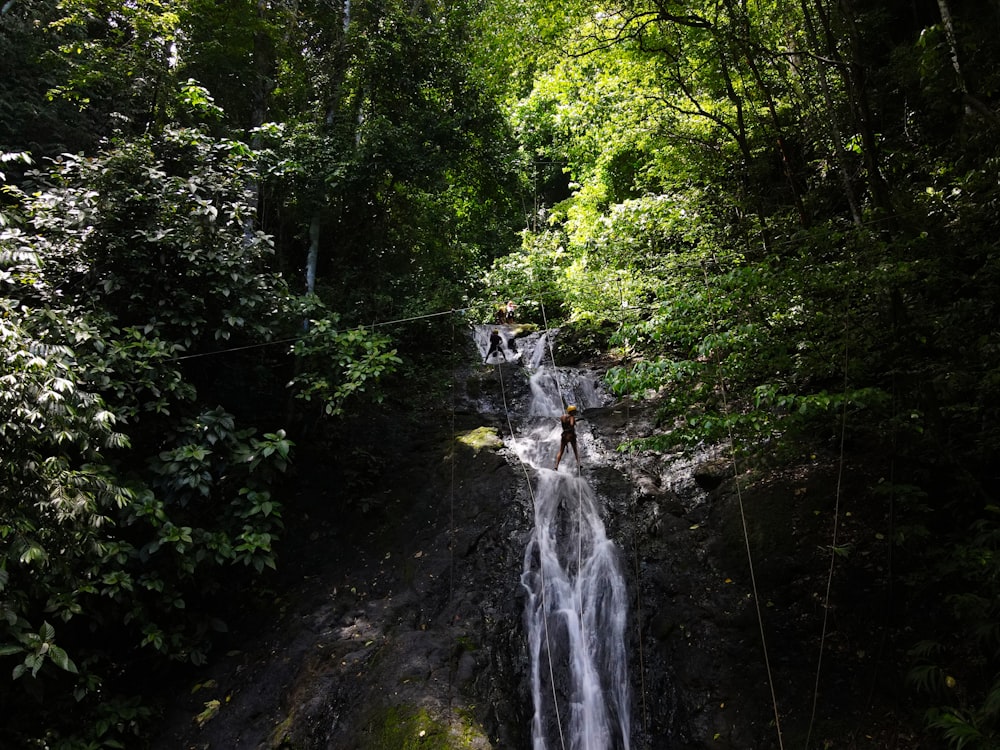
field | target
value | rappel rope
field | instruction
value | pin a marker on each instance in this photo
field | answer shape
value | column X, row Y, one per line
column 579, row 500
column 579, row 472
column 552, row 357
column 746, row 532
column 833, row 542
column 451, row 518
column 541, row 569
column 638, row 572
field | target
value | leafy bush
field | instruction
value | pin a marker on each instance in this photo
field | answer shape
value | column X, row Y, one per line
column 124, row 500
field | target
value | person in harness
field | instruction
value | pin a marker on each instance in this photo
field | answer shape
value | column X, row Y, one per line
column 496, row 345
column 568, row 421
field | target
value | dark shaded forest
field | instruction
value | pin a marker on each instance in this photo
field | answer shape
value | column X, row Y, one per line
column 228, row 231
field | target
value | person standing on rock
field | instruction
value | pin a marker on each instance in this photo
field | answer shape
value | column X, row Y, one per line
column 568, row 421
column 496, row 345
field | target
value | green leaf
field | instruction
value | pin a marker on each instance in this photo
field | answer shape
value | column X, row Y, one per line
column 61, row 659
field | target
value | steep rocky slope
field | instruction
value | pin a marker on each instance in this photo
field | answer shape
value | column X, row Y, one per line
column 397, row 621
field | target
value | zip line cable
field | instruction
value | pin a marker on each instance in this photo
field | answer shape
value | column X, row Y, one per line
column 293, row 339
column 746, row 532
column 433, row 315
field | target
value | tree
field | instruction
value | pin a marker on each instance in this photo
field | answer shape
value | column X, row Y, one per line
column 126, row 498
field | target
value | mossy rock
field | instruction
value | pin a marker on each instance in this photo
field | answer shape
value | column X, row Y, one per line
column 405, row 728
column 480, row 438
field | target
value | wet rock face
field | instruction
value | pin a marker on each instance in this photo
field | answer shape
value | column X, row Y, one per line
column 407, row 618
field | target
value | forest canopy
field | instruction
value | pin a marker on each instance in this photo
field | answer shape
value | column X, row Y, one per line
column 780, row 219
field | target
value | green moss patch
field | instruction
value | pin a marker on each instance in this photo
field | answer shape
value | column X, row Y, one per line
column 400, row 728
column 480, row 438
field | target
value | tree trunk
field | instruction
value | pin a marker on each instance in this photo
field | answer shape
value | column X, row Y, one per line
column 853, row 73
column 312, row 260
column 830, row 123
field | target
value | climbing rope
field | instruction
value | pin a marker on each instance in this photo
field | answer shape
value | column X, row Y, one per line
column 541, row 569
column 746, row 533
column 552, row 356
column 451, row 516
column 293, row 339
column 833, row 542
column 889, row 573
column 579, row 499
column 638, row 574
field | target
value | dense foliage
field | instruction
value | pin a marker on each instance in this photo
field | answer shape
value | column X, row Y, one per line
column 200, row 204
column 782, row 217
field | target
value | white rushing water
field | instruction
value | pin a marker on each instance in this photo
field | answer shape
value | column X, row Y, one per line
column 576, row 607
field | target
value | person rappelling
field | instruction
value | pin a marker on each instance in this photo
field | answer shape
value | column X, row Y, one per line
column 496, row 345
column 568, row 422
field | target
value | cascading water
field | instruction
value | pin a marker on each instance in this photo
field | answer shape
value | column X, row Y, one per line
column 576, row 607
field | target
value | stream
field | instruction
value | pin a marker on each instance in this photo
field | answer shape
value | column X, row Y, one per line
column 576, row 600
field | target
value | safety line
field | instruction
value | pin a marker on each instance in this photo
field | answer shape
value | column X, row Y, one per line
column 552, row 356
column 579, row 548
column 836, row 528
column 541, row 567
column 743, row 520
column 579, row 500
column 451, row 522
column 889, row 573
column 372, row 325
column 579, row 554
column 638, row 576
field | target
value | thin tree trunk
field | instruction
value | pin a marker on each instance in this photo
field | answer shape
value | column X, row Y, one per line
column 312, row 260
column 949, row 32
column 971, row 102
column 855, row 81
column 831, row 122
column 743, row 39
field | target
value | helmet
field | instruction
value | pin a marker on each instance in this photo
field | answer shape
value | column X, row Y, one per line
column 571, row 408
column 496, row 330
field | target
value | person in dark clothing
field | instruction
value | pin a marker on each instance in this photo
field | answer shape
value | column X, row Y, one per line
column 568, row 421
column 496, row 345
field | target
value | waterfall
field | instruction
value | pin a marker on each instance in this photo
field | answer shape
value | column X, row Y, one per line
column 576, row 605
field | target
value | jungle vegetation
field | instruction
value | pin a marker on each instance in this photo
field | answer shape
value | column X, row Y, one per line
column 781, row 217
